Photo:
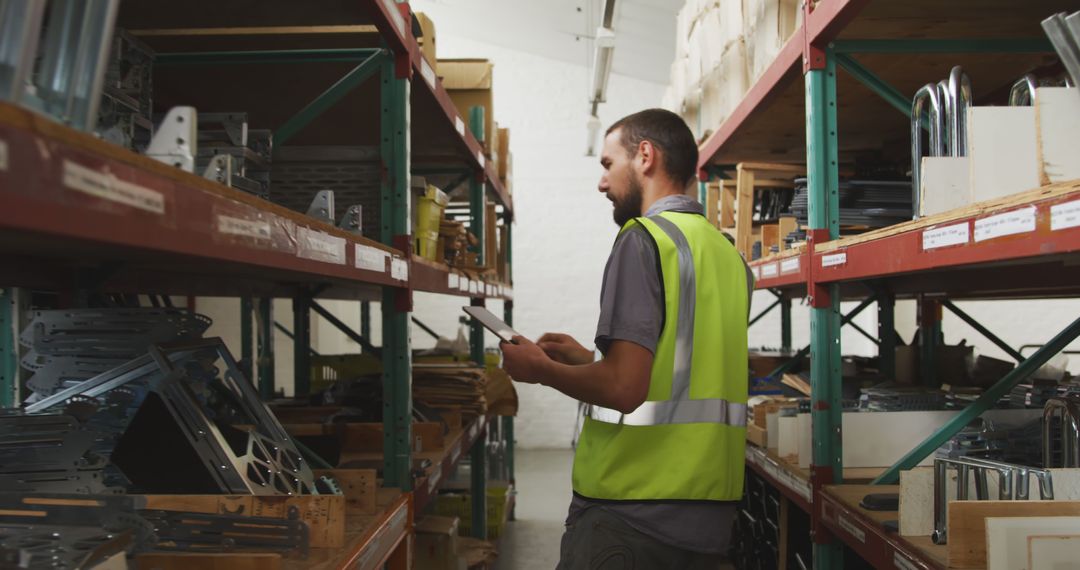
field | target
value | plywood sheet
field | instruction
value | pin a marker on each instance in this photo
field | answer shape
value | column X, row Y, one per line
column 967, row 524
column 1007, row 539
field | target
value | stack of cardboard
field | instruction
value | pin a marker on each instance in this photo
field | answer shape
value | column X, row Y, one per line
column 468, row 82
column 472, row 391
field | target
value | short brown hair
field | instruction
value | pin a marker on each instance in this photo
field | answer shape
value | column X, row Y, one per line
column 666, row 131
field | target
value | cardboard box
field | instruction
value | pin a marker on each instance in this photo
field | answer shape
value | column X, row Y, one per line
column 436, row 546
column 757, row 436
column 427, row 39
column 468, row 81
column 504, row 152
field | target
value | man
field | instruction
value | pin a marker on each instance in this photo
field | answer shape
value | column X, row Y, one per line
column 659, row 465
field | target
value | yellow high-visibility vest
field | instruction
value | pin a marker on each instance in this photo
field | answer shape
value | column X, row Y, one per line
column 687, row 440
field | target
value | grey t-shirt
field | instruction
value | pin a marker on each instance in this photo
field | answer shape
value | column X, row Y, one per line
column 632, row 309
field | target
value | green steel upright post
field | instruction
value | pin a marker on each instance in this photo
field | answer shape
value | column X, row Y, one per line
column 301, row 344
column 508, row 316
column 265, row 336
column 886, row 305
column 929, row 338
column 247, row 339
column 785, row 323
column 396, row 350
column 365, row 320
column 823, row 177
column 478, row 453
column 477, row 199
column 9, row 365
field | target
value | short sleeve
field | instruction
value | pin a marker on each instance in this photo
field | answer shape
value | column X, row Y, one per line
column 632, row 298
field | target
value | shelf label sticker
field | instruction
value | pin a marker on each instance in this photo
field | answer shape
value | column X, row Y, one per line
column 956, row 234
column 472, row 287
column 392, row 11
column 256, row 229
column 1019, row 221
column 452, row 281
column 480, row 158
column 399, row 269
column 789, row 265
column 834, row 259
column 3, row 155
column 757, row 272
column 851, row 529
column 371, row 258
column 900, row 561
column 459, row 125
column 1065, row 216
column 320, row 246
column 769, row 270
column 426, row 72
column 464, row 284
column 108, row 187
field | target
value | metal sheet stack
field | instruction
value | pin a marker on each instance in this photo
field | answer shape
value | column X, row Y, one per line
column 863, row 203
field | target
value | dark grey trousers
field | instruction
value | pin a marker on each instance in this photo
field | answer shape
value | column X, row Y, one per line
column 599, row 540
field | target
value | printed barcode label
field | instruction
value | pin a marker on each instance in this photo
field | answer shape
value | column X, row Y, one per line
column 108, row 187
column 472, row 287
column 371, row 258
column 956, row 234
column 834, row 259
column 789, row 265
column 1065, row 216
column 1007, row 224
column 257, row 229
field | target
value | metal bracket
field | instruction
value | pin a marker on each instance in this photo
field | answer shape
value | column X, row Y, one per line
column 322, row 207
column 352, row 221
column 175, row 141
column 221, row 169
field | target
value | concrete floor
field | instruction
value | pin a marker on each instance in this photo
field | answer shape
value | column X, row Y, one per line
column 543, row 482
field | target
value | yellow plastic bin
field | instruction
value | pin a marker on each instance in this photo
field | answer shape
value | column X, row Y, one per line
column 429, row 208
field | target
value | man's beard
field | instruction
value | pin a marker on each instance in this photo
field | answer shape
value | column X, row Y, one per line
column 629, row 207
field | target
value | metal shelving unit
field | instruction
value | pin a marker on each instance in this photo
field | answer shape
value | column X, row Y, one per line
column 860, row 60
column 77, row 212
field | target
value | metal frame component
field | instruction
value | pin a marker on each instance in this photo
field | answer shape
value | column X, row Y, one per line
column 352, row 221
column 765, row 311
column 344, row 328
column 301, row 305
column 822, row 157
column 176, row 140
column 9, row 357
column 397, row 358
column 354, row 78
column 1013, row 480
column 983, row 330
column 1064, row 415
column 868, row 78
column 264, row 330
column 987, row 400
column 51, row 453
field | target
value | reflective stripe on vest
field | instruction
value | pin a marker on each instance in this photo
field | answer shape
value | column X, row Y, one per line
column 680, row 409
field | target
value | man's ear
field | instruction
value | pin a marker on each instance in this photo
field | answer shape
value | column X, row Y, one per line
column 647, row 156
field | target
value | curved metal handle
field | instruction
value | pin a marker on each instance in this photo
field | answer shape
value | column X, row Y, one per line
column 1022, row 93
column 927, row 94
column 960, row 100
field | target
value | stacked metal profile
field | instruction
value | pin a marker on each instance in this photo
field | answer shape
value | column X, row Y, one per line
column 866, row 203
column 900, row 399
column 232, row 154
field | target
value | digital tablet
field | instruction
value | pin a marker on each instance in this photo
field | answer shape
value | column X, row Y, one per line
column 491, row 323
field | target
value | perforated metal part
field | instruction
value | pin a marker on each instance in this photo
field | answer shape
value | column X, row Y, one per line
column 59, row 547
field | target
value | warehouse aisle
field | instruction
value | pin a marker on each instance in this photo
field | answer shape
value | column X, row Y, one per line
column 543, row 481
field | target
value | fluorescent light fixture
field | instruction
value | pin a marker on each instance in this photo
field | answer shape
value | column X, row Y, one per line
column 605, row 51
column 593, row 128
